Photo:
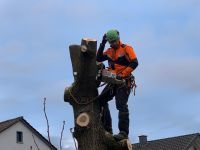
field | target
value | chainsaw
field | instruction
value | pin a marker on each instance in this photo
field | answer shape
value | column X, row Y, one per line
column 108, row 77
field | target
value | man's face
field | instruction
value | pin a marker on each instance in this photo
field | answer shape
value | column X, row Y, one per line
column 114, row 44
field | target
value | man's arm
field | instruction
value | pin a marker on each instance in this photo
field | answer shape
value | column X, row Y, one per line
column 133, row 62
column 100, row 55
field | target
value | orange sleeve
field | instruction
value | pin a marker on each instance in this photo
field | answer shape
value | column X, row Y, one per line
column 130, row 52
column 131, row 56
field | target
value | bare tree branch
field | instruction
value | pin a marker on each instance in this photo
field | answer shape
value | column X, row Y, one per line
column 47, row 121
column 62, row 135
column 35, row 142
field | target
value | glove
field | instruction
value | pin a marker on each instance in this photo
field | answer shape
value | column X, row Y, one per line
column 104, row 40
column 118, row 77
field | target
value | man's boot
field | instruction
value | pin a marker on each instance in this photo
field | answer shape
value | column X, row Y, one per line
column 123, row 126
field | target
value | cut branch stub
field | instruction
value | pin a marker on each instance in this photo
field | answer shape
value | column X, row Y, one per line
column 83, row 119
column 126, row 144
column 89, row 46
column 67, row 96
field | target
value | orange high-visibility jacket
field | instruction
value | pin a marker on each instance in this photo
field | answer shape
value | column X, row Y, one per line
column 121, row 61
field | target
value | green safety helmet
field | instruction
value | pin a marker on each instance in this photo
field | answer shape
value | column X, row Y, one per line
column 112, row 35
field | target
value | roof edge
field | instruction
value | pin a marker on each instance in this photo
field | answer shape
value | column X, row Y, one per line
column 21, row 119
column 38, row 134
column 15, row 120
column 172, row 137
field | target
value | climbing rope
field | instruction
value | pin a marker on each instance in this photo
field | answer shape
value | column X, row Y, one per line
column 81, row 103
column 132, row 87
column 86, row 103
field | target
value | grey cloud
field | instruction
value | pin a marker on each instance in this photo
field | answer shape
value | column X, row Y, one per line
column 164, row 112
column 180, row 73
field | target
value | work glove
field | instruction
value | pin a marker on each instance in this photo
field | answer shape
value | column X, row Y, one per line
column 118, row 77
column 104, row 40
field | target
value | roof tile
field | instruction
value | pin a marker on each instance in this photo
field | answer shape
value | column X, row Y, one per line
column 173, row 143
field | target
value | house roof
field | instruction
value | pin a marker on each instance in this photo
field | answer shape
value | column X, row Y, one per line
column 8, row 123
column 173, row 143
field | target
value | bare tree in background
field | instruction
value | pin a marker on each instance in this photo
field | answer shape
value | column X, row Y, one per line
column 48, row 131
column 61, row 135
column 44, row 109
column 35, row 142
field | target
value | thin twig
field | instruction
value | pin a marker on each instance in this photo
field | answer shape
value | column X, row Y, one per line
column 35, row 142
column 63, row 127
column 47, row 121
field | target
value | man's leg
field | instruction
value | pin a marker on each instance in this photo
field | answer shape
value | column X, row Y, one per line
column 121, row 97
column 106, row 118
column 106, row 95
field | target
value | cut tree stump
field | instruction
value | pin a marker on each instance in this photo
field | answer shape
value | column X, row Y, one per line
column 82, row 95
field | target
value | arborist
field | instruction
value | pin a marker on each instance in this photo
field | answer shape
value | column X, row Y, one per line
column 122, row 61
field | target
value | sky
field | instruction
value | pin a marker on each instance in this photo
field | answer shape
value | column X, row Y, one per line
column 34, row 61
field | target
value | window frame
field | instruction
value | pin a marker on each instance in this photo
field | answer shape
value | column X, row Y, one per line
column 19, row 137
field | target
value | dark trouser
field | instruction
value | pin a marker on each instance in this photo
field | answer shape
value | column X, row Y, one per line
column 121, row 94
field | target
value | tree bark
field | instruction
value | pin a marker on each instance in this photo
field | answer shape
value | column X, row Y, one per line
column 82, row 95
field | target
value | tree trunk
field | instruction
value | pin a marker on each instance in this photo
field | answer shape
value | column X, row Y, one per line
column 82, row 95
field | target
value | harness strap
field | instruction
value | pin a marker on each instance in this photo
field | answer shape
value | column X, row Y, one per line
column 133, row 85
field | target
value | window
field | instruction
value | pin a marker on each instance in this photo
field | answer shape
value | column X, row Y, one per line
column 19, row 137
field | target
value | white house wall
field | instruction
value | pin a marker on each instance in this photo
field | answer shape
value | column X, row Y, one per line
column 8, row 139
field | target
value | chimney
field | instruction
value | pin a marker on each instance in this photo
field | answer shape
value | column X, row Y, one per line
column 142, row 139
